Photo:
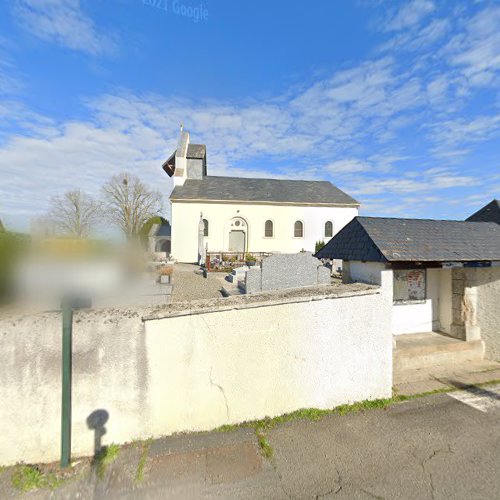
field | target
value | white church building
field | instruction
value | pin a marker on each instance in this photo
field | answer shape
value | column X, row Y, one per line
column 248, row 215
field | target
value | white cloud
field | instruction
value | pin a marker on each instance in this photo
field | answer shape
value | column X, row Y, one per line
column 448, row 134
column 355, row 128
column 347, row 166
column 9, row 81
column 410, row 14
column 476, row 49
column 420, row 39
column 425, row 183
column 63, row 22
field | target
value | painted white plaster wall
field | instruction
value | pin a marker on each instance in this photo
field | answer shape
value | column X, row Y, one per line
column 365, row 272
column 185, row 218
column 422, row 316
column 412, row 318
column 407, row 318
column 239, row 365
column 187, row 373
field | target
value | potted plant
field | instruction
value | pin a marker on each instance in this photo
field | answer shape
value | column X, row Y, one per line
column 250, row 260
column 166, row 275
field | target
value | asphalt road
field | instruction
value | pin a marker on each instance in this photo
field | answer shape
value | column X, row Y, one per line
column 438, row 447
column 431, row 448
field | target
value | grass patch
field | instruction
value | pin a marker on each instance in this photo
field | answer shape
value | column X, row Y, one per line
column 227, row 428
column 30, row 477
column 267, row 449
column 369, row 404
column 105, row 458
column 317, row 414
column 139, row 475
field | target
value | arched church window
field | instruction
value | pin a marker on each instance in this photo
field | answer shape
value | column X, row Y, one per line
column 269, row 229
column 298, row 229
column 205, row 227
column 328, row 229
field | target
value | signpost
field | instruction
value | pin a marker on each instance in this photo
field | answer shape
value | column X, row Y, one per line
column 67, row 307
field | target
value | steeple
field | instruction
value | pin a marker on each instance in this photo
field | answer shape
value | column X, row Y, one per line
column 189, row 161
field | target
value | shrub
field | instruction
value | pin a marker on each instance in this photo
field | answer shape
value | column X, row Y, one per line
column 319, row 245
column 250, row 258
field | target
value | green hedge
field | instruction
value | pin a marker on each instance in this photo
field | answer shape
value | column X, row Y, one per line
column 12, row 246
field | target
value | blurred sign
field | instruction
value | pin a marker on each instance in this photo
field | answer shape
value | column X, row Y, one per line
column 409, row 284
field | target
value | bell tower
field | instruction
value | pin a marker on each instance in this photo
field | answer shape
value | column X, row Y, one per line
column 189, row 161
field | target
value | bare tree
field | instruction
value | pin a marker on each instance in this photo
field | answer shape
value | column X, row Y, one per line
column 74, row 213
column 129, row 203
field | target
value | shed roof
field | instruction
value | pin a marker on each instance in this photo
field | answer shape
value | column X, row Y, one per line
column 489, row 213
column 398, row 240
column 163, row 229
column 216, row 188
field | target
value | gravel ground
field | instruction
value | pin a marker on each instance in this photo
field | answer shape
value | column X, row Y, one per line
column 189, row 284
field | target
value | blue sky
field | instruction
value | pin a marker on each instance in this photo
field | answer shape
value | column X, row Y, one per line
column 397, row 103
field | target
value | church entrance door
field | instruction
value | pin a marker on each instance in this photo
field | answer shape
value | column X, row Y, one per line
column 236, row 241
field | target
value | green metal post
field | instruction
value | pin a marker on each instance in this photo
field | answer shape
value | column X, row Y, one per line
column 67, row 320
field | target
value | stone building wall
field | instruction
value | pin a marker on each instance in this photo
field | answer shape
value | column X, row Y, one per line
column 481, row 308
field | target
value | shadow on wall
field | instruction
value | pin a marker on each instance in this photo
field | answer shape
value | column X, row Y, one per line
column 96, row 421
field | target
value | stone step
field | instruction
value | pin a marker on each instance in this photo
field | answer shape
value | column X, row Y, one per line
column 453, row 353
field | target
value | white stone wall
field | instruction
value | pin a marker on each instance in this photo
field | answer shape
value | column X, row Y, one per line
column 189, row 372
column 185, row 218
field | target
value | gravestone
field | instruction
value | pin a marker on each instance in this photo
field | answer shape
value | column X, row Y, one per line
column 281, row 271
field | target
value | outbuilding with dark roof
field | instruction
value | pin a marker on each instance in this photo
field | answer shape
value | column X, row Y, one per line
column 489, row 213
column 423, row 267
column 380, row 239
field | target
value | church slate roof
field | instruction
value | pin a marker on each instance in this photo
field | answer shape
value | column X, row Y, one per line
column 489, row 213
column 214, row 188
column 409, row 240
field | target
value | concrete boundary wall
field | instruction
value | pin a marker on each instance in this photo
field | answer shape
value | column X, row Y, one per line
column 175, row 369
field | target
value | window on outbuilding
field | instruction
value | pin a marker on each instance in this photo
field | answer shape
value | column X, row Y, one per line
column 298, row 229
column 269, row 229
column 409, row 285
column 205, row 227
column 328, row 229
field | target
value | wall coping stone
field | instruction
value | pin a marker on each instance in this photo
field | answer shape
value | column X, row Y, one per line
column 201, row 306
column 261, row 299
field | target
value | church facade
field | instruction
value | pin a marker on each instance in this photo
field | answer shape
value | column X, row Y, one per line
column 248, row 215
